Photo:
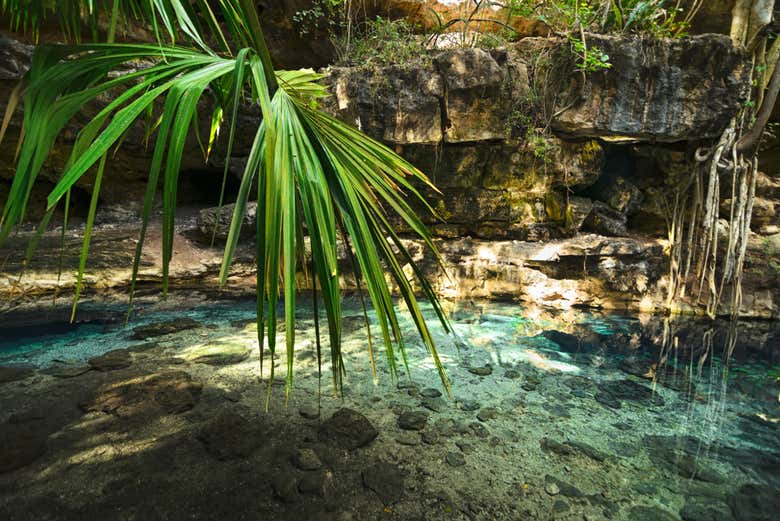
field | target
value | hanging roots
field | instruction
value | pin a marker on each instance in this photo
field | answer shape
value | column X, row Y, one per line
column 697, row 234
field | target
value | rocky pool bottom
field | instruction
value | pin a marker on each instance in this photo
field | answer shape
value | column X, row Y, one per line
column 553, row 415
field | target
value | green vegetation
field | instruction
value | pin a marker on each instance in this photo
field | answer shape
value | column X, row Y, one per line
column 311, row 173
column 383, row 41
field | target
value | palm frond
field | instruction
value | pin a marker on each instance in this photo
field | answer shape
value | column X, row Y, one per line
column 311, row 171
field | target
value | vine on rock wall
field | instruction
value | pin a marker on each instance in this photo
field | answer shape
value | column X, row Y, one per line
column 707, row 253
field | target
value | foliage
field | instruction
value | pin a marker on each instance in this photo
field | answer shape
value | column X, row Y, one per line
column 311, row 173
column 383, row 41
column 323, row 16
column 589, row 60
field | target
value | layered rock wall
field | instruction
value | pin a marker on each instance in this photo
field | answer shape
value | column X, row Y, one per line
column 554, row 186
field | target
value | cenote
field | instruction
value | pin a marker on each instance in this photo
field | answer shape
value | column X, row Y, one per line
column 552, row 413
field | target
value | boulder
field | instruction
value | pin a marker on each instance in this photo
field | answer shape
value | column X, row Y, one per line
column 475, row 108
column 347, row 429
column 398, row 104
column 221, row 218
column 659, row 90
column 605, row 220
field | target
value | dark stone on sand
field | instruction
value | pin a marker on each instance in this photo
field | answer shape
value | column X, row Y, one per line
column 430, row 392
column 485, row 370
column 561, row 506
column 549, row 445
column 112, row 360
column 455, row 459
column 479, row 430
column 164, row 328
column 306, row 459
column 613, row 392
column 569, row 343
column 436, row 404
column 662, row 374
column 229, row 436
column 705, row 509
column 141, row 348
column 469, row 405
column 386, row 480
column 170, row 392
column 13, row 374
column 285, row 487
column 512, row 374
column 487, row 414
column 220, row 354
column 413, row 420
column 565, row 488
column 316, row 483
column 645, row 513
column 20, row 445
column 347, row 429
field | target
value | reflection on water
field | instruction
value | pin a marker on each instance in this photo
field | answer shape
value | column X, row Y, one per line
column 692, row 407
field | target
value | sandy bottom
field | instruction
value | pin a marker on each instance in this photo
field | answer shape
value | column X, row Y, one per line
column 552, row 416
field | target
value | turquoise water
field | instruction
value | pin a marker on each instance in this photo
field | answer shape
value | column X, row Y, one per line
column 683, row 416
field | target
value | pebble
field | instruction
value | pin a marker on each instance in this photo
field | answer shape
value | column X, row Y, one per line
column 409, row 438
column 430, row 392
column 485, row 370
column 552, row 489
column 469, row 405
column 455, row 459
column 413, row 420
column 487, row 413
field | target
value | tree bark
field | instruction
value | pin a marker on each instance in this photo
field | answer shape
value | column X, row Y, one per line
column 751, row 138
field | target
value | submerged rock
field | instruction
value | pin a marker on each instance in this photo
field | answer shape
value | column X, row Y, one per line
column 413, row 420
column 705, row 509
column 164, row 328
column 484, row 370
column 12, row 374
column 455, row 459
column 347, row 429
column 754, row 502
column 386, row 480
column 613, row 392
column 67, row 370
column 20, row 445
column 645, row 513
column 112, row 360
column 220, row 353
column 160, row 393
column 306, row 459
column 229, row 436
column 665, row 374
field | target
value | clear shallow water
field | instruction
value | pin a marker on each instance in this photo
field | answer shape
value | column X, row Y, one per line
column 677, row 415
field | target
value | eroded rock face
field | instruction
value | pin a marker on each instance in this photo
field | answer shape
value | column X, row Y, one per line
column 473, row 83
column 660, row 90
column 398, row 104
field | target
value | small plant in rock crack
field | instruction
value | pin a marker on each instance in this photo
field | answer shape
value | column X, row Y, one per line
column 589, row 59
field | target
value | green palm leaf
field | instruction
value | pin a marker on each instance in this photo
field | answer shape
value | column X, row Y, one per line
column 316, row 177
